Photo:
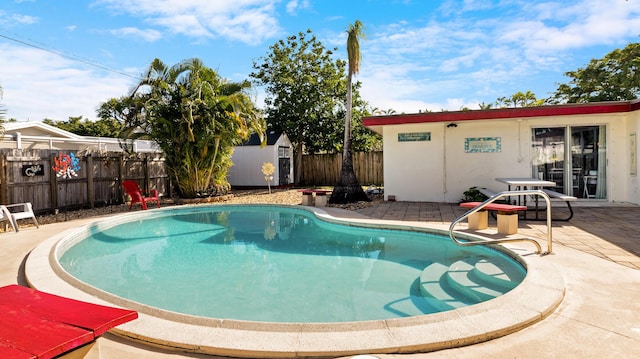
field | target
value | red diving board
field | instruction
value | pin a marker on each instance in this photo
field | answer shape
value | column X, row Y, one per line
column 35, row 324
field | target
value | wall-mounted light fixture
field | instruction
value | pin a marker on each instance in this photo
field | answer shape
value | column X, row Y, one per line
column 452, row 125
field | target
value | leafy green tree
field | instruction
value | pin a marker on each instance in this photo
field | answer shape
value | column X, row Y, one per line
column 195, row 116
column 519, row 99
column 348, row 189
column 362, row 138
column 107, row 127
column 303, row 86
column 616, row 77
column 305, row 91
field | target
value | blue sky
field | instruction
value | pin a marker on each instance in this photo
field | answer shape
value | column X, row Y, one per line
column 418, row 54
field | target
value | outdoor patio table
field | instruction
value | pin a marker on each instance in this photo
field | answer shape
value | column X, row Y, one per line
column 524, row 184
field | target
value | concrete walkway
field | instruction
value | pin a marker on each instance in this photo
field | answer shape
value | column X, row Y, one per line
column 597, row 253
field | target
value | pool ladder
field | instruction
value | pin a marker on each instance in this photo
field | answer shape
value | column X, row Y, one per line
column 505, row 240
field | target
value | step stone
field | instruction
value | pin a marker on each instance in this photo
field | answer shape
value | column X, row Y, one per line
column 503, row 277
column 431, row 288
column 461, row 277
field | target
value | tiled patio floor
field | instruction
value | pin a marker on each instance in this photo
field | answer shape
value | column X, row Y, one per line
column 609, row 231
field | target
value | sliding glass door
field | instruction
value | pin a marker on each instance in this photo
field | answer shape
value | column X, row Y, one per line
column 573, row 157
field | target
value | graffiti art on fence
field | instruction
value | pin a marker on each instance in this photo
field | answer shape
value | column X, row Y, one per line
column 33, row 170
column 66, row 166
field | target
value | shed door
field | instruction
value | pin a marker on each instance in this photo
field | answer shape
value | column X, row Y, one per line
column 284, row 165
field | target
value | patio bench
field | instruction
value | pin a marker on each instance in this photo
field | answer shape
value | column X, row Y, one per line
column 553, row 195
column 487, row 192
column 507, row 216
column 320, row 199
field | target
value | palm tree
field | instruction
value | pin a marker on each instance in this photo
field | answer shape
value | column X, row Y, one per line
column 348, row 189
column 197, row 118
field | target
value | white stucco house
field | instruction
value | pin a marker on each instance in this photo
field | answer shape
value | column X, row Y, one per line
column 40, row 136
column 588, row 150
column 249, row 157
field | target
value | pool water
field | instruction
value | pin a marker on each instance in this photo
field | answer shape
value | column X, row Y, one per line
column 281, row 264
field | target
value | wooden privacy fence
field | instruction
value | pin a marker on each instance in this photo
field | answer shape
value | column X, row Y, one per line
column 324, row 170
column 29, row 176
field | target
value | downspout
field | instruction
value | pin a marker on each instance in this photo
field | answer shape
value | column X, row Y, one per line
column 444, row 162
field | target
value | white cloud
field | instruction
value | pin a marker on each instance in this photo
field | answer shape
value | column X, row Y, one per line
column 146, row 35
column 558, row 26
column 186, row 24
column 464, row 58
column 9, row 19
column 60, row 89
column 250, row 27
column 249, row 21
column 456, row 57
column 25, row 19
column 294, row 5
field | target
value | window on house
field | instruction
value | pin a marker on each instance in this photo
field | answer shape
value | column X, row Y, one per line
column 574, row 157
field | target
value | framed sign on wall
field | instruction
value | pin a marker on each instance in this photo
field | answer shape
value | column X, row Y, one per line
column 482, row 144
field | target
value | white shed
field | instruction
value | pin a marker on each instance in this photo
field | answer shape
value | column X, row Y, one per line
column 249, row 157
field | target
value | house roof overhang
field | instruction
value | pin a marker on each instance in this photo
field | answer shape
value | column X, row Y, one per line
column 39, row 129
column 376, row 123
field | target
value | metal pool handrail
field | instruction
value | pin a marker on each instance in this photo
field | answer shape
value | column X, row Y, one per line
column 504, row 240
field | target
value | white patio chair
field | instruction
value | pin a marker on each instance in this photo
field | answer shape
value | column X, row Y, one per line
column 14, row 212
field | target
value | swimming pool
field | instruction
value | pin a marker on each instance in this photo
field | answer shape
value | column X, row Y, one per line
column 282, row 264
column 535, row 298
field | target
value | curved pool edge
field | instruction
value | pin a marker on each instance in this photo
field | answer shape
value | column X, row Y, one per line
column 535, row 298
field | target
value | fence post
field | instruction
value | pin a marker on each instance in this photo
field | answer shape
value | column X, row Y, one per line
column 91, row 190
column 119, row 180
column 145, row 170
column 4, row 188
column 53, row 193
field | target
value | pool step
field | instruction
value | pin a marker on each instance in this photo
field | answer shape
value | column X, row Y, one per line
column 503, row 276
column 466, row 281
column 480, row 279
column 435, row 289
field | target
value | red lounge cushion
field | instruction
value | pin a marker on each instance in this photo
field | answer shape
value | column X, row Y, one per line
column 35, row 324
column 8, row 352
column 494, row 206
column 43, row 338
column 94, row 317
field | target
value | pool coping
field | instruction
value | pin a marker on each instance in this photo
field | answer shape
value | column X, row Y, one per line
column 540, row 293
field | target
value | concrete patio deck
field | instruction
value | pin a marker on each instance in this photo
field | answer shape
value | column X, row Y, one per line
column 598, row 254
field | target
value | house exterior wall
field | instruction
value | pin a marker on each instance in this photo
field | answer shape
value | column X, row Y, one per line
column 412, row 170
column 440, row 170
column 633, row 143
column 247, row 164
